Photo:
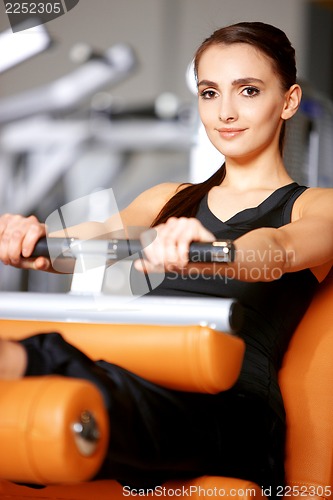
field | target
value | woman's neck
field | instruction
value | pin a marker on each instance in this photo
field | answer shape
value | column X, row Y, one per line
column 264, row 174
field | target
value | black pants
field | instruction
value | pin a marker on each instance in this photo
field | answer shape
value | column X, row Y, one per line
column 159, row 434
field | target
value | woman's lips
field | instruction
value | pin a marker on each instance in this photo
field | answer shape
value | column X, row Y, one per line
column 229, row 133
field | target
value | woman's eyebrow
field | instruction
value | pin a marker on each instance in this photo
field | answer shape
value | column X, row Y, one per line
column 207, row 83
column 247, row 80
column 239, row 81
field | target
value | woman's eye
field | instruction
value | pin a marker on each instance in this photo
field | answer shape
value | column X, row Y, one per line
column 250, row 91
column 208, row 94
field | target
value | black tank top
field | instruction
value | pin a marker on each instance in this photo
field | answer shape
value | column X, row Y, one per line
column 272, row 310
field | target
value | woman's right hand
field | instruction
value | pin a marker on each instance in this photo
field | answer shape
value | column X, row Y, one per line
column 18, row 237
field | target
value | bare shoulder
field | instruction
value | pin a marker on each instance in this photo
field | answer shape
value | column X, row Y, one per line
column 145, row 207
column 314, row 201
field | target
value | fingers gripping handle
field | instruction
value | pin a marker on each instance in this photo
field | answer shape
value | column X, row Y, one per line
column 220, row 251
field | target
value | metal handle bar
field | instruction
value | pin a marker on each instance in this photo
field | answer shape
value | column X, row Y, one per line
column 221, row 251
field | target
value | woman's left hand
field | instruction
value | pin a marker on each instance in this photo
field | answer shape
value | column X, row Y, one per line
column 166, row 246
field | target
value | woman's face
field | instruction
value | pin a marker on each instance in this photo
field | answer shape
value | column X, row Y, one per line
column 240, row 100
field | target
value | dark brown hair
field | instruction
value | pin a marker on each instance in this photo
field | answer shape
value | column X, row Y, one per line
column 273, row 43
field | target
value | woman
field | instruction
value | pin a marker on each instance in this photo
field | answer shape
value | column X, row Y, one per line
column 283, row 236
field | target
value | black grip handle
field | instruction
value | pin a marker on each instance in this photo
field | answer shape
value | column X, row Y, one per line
column 69, row 248
column 42, row 248
column 222, row 251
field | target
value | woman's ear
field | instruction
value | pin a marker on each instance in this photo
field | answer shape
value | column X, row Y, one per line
column 292, row 101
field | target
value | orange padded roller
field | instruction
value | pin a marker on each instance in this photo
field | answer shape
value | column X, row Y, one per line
column 51, row 430
column 202, row 359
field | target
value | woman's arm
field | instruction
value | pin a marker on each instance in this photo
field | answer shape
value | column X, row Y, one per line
column 145, row 207
column 308, row 240
column 19, row 235
column 261, row 255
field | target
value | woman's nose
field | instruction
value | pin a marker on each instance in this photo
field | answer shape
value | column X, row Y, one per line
column 227, row 111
